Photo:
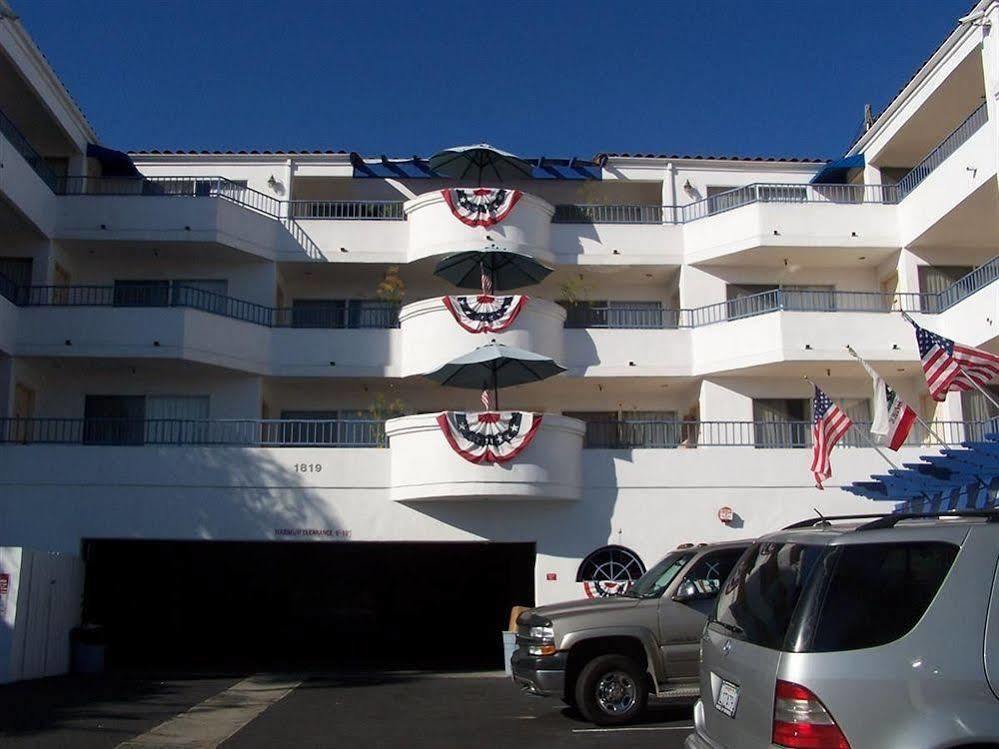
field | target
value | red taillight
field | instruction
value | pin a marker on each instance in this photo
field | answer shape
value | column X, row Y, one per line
column 801, row 721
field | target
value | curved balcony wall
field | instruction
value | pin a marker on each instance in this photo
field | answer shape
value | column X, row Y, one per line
column 424, row 467
column 433, row 229
column 431, row 337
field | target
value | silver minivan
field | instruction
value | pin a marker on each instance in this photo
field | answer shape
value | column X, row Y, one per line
column 857, row 633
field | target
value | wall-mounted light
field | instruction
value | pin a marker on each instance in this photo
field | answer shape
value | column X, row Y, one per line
column 688, row 188
column 272, row 182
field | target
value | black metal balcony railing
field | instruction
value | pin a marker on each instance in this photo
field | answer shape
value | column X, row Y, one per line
column 593, row 213
column 628, row 434
column 620, row 317
column 942, row 152
column 219, row 432
column 623, row 434
column 348, row 210
column 374, row 314
column 370, row 315
column 37, row 163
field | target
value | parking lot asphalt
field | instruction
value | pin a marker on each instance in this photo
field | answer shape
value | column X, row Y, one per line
column 440, row 710
column 96, row 712
column 395, row 709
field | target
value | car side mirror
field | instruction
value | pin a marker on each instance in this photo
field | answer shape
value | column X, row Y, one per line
column 688, row 592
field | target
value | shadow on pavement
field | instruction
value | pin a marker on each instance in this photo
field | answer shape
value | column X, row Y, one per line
column 96, row 711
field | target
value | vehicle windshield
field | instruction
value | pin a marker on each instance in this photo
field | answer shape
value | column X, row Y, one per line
column 655, row 581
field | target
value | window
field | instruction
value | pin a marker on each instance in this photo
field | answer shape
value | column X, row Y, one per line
column 748, row 299
column 891, row 584
column 15, row 275
column 782, row 422
column 343, row 313
column 812, row 298
column 648, row 429
column 138, row 419
column 723, row 197
column 711, row 570
column 207, row 294
column 759, row 599
column 980, row 412
column 114, row 419
column 601, row 427
column 17, row 269
column 344, row 428
column 609, row 570
column 176, row 419
column 655, row 581
column 936, row 278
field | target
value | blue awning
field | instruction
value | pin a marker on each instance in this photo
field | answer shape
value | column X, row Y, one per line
column 838, row 172
column 113, row 163
column 954, row 479
column 419, row 168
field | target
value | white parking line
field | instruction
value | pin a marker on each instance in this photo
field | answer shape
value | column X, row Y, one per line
column 209, row 723
column 633, row 728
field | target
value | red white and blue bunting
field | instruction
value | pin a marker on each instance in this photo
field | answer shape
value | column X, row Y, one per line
column 483, row 313
column 480, row 206
column 489, row 436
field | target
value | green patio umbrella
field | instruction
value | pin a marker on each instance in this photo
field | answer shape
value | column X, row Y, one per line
column 478, row 162
column 492, row 266
column 493, row 366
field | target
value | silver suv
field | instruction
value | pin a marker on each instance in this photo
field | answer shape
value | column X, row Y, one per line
column 881, row 632
column 606, row 655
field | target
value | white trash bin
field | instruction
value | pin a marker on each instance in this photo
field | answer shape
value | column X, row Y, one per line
column 509, row 645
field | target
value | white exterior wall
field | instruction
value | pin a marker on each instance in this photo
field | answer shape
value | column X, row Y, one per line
column 41, row 606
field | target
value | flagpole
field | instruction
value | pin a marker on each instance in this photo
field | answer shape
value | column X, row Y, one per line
column 866, row 438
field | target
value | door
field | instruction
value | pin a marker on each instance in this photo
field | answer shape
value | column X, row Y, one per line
column 61, row 281
column 24, row 411
column 681, row 622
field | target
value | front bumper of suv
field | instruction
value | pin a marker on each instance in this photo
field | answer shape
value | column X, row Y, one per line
column 543, row 675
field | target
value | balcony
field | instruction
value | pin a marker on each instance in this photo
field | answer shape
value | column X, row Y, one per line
column 948, row 198
column 26, row 179
column 537, row 328
column 975, row 121
column 433, row 229
column 836, row 219
column 425, row 467
column 631, row 434
column 613, row 434
column 195, row 432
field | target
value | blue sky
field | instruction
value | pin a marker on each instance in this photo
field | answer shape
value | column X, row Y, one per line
column 538, row 78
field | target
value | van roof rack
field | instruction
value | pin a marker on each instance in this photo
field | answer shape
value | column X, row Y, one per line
column 889, row 521
column 824, row 520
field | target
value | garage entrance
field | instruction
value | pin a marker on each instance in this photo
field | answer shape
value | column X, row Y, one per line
column 215, row 604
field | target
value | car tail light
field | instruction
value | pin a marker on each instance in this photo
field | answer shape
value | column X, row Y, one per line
column 801, row 721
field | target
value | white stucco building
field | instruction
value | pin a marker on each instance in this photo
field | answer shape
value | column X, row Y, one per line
column 206, row 354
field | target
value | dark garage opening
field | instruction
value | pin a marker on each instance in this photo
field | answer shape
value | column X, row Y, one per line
column 215, row 604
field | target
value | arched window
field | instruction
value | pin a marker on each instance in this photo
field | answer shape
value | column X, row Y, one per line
column 609, row 570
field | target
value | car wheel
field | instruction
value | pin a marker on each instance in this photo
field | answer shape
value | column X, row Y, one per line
column 611, row 690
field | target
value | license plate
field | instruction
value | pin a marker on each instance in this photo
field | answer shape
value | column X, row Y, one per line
column 728, row 699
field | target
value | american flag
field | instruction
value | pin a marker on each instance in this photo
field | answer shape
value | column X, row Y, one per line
column 487, row 399
column 951, row 366
column 487, row 281
column 829, row 424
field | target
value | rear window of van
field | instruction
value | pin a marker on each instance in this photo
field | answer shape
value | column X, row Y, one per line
column 869, row 595
column 816, row 599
